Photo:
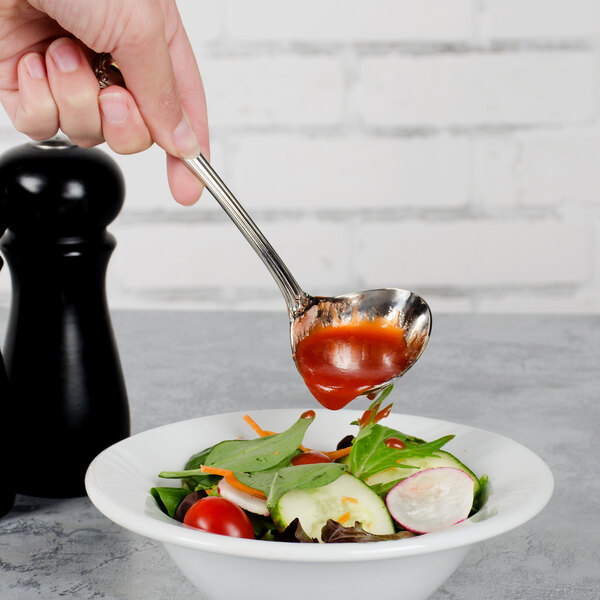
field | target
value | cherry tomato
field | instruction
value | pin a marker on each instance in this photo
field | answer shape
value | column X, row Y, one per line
column 309, row 458
column 218, row 515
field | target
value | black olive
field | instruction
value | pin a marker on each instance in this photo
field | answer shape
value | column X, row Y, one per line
column 345, row 442
column 187, row 503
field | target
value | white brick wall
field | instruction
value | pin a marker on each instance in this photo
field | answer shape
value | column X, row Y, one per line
column 448, row 146
column 542, row 19
column 350, row 20
column 467, row 89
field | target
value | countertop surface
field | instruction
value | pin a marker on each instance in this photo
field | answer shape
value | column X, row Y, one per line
column 535, row 379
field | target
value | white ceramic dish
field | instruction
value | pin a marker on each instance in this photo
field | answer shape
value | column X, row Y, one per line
column 225, row 568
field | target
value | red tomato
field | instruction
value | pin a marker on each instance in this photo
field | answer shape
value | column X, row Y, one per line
column 218, row 515
column 309, row 458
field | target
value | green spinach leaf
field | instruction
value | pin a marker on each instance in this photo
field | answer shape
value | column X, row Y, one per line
column 202, row 481
column 275, row 484
column 303, row 477
column 259, row 454
column 168, row 498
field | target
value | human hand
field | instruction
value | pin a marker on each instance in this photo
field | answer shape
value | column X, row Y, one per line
column 47, row 83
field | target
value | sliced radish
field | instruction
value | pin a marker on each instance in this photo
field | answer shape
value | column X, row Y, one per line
column 243, row 499
column 431, row 499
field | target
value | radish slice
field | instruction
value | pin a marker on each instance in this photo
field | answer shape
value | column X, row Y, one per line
column 431, row 499
column 242, row 499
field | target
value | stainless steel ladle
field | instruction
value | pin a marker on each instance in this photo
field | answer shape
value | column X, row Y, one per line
column 399, row 308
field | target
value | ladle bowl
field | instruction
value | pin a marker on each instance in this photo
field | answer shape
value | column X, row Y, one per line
column 390, row 306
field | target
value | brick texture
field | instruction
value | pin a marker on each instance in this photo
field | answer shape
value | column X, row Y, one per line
column 350, row 20
column 539, row 19
column 446, row 146
column 339, row 174
column 508, row 88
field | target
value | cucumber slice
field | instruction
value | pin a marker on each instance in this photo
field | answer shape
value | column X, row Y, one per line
column 347, row 500
column 444, row 459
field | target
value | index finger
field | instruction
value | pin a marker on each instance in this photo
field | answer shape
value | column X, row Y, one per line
column 144, row 57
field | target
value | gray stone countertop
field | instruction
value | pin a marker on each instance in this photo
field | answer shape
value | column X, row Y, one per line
column 535, row 379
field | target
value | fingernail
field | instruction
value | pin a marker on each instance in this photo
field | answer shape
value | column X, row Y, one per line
column 185, row 139
column 114, row 108
column 35, row 66
column 65, row 56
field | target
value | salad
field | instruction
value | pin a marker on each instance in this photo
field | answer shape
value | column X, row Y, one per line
column 378, row 484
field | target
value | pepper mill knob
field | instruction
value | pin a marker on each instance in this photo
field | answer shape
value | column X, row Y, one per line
column 69, row 398
column 56, row 189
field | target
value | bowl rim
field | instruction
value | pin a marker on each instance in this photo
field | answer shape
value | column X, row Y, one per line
column 470, row 531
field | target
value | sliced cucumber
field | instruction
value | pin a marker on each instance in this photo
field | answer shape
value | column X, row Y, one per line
column 347, row 500
column 443, row 459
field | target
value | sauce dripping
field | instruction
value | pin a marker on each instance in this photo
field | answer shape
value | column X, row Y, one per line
column 340, row 362
column 394, row 442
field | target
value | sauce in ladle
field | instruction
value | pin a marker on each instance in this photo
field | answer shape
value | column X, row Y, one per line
column 342, row 361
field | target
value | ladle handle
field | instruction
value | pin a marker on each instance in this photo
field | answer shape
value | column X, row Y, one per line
column 292, row 292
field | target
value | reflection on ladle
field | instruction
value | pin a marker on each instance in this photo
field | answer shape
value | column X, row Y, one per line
column 343, row 346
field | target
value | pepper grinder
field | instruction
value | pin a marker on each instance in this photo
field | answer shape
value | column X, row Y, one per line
column 7, row 490
column 69, row 397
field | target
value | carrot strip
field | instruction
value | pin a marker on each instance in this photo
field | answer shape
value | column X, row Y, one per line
column 335, row 454
column 230, row 479
column 259, row 430
column 245, row 488
column 254, row 425
column 350, row 499
column 216, row 471
column 343, row 518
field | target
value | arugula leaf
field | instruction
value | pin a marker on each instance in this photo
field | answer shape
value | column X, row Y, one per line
column 260, row 454
column 168, row 498
column 370, row 455
column 370, row 415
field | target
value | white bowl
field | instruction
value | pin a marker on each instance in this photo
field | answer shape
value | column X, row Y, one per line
column 224, row 568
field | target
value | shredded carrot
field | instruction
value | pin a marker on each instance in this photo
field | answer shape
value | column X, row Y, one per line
column 259, row 430
column 335, row 454
column 245, row 488
column 231, row 480
column 254, row 425
column 347, row 499
column 343, row 518
column 216, row 471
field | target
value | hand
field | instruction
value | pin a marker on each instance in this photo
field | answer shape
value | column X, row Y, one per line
column 47, row 83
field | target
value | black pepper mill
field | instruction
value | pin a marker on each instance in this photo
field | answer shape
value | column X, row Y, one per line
column 7, row 488
column 69, row 398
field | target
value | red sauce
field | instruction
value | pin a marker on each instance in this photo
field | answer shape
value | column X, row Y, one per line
column 338, row 363
column 394, row 442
